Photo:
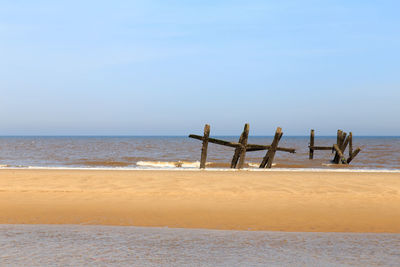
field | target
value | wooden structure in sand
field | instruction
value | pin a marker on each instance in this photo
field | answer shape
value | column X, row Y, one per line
column 341, row 144
column 241, row 147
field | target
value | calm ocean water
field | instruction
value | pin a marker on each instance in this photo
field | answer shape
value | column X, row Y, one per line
column 77, row 245
column 182, row 152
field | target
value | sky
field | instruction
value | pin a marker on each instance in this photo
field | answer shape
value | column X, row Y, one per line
column 168, row 67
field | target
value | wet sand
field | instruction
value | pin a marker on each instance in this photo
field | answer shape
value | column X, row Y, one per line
column 243, row 200
column 77, row 245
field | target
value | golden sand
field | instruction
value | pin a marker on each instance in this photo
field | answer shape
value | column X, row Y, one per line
column 242, row 200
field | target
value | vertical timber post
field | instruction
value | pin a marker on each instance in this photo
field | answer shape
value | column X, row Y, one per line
column 244, row 145
column 339, row 135
column 205, row 146
column 311, row 153
column 339, row 141
column 350, row 144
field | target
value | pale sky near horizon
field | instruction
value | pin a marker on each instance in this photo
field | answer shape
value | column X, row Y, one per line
column 169, row 67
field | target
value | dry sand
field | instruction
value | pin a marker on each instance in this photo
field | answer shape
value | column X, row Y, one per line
column 242, row 200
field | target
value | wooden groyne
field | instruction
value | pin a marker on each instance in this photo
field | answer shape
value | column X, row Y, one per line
column 342, row 141
column 241, row 147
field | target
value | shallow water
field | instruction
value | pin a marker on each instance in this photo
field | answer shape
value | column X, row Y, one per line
column 183, row 152
column 77, row 245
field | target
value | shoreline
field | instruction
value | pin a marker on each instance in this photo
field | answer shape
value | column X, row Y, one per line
column 287, row 201
column 276, row 169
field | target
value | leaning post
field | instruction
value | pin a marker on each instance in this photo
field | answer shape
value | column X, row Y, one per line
column 269, row 156
column 353, row 155
column 236, row 154
column 341, row 158
column 204, row 147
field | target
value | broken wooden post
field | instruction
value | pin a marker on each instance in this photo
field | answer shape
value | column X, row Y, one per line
column 204, row 147
column 340, row 140
column 311, row 153
column 341, row 158
column 269, row 156
column 339, row 148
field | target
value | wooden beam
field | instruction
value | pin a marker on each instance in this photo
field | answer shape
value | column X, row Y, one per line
column 244, row 145
column 269, row 156
column 216, row 141
column 290, row 150
column 353, row 155
column 322, row 147
column 250, row 147
column 204, row 147
column 311, row 152
column 342, row 159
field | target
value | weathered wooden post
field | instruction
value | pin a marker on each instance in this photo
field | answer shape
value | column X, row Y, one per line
column 244, row 145
column 241, row 150
column 269, row 156
column 353, row 155
column 340, row 140
column 311, row 153
column 341, row 158
column 241, row 147
column 340, row 147
column 344, row 144
column 350, row 144
column 204, row 147
column 339, row 135
column 236, row 154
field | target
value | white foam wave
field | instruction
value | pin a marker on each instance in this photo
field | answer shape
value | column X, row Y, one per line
column 169, row 164
column 196, row 168
column 256, row 165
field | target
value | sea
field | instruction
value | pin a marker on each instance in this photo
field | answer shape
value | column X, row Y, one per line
column 83, row 245
column 181, row 152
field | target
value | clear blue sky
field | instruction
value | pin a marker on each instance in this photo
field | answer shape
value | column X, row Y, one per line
column 168, row 67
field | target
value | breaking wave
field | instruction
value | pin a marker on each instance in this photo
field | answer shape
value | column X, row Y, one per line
column 169, row 164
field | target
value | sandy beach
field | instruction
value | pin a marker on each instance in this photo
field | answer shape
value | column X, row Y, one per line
column 241, row 200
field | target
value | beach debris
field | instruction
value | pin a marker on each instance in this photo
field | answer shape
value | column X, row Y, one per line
column 241, row 147
column 342, row 141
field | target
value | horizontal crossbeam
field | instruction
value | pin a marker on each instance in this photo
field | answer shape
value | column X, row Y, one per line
column 250, row 147
column 321, row 147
